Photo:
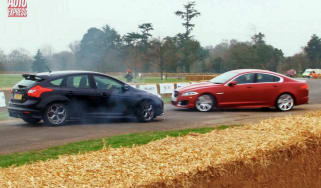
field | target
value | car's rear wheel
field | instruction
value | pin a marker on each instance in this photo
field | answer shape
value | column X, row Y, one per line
column 56, row 114
column 205, row 103
column 145, row 111
column 31, row 120
column 285, row 102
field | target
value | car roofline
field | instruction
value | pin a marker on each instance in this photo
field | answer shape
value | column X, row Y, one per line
column 57, row 74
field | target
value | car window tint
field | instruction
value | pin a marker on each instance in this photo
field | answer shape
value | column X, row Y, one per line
column 79, row 81
column 245, row 79
column 26, row 83
column 266, row 78
column 103, row 82
column 57, row 82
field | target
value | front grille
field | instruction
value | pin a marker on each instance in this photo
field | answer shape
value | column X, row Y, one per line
column 175, row 93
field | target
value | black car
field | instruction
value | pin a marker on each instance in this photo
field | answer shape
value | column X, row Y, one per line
column 57, row 97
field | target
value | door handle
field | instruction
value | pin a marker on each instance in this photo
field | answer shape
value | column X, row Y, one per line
column 275, row 86
column 105, row 94
column 249, row 87
column 70, row 92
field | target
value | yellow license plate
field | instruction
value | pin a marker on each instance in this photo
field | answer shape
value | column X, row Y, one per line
column 17, row 96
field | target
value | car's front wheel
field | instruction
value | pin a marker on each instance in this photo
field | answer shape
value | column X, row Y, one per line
column 285, row 102
column 205, row 103
column 56, row 114
column 145, row 111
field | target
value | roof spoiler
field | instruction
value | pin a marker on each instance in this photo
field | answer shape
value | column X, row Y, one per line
column 32, row 77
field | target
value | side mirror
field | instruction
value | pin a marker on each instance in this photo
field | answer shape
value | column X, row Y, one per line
column 233, row 83
column 125, row 87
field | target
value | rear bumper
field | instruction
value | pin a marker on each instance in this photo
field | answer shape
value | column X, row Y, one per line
column 18, row 112
column 303, row 100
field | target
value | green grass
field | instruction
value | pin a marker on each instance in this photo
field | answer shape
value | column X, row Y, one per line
column 4, row 115
column 93, row 145
column 167, row 100
column 9, row 80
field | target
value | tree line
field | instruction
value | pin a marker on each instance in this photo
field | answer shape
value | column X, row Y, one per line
column 105, row 50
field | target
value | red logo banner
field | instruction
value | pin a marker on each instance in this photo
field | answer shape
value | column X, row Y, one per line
column 17, row 8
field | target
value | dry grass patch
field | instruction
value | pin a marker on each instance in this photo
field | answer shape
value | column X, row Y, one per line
column 216, row 158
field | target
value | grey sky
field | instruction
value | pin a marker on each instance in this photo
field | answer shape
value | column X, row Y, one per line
column 287, row 24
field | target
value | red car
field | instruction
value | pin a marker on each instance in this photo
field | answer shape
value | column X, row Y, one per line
column 244, row 88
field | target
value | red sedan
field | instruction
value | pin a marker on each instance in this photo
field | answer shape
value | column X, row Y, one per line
column 244, row 88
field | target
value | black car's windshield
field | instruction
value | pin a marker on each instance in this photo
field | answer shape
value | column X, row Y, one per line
column 224, row 77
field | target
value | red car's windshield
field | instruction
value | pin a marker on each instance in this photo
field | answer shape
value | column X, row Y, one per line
column 221, row 79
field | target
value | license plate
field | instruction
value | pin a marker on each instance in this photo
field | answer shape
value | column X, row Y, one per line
column 174, row 98
column 17, row 96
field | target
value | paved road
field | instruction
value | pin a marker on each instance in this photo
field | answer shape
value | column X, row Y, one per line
column 16, row 136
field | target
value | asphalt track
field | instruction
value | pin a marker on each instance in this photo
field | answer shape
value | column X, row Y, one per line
column 17, row 136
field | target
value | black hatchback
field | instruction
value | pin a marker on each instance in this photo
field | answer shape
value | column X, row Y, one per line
column 57, row 97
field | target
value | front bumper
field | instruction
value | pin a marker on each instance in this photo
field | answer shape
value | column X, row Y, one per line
column 159, row 108
column 184, row 102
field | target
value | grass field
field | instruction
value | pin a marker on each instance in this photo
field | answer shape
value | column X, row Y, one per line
column 4, row 115
column 94, row 145
column 9, row 80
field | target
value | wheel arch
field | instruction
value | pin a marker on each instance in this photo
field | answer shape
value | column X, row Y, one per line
column 138, row 102
column 211, row 94
column 54, row 99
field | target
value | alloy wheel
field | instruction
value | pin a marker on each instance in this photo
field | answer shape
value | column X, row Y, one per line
column 204, row 103
column 145, row 112
column 285, row 102
column 148, row 112
column 56, row 114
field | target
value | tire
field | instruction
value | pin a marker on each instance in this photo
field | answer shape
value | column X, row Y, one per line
column 205, row 103
column 284, row 102
column 31, row 120
column 56, row 114
column 145, row 111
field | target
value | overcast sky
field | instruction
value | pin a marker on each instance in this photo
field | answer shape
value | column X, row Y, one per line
column 287, row 24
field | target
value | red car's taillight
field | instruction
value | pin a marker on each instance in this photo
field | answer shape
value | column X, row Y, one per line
column 37, row 91
column 305, row 86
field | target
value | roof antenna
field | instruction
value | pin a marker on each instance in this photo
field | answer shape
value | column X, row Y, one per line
column 48, row 69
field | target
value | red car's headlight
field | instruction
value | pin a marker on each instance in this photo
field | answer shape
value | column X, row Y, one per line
column 189, row 93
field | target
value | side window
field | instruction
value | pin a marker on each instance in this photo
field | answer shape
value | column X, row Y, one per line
column 261, row 78
column 103, row 82
column 57, row 82
column 79, row 81
column 245, row 79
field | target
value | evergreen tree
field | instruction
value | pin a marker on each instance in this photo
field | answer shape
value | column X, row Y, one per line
column 39, row 64
column 187, row 15
column 313, row 51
